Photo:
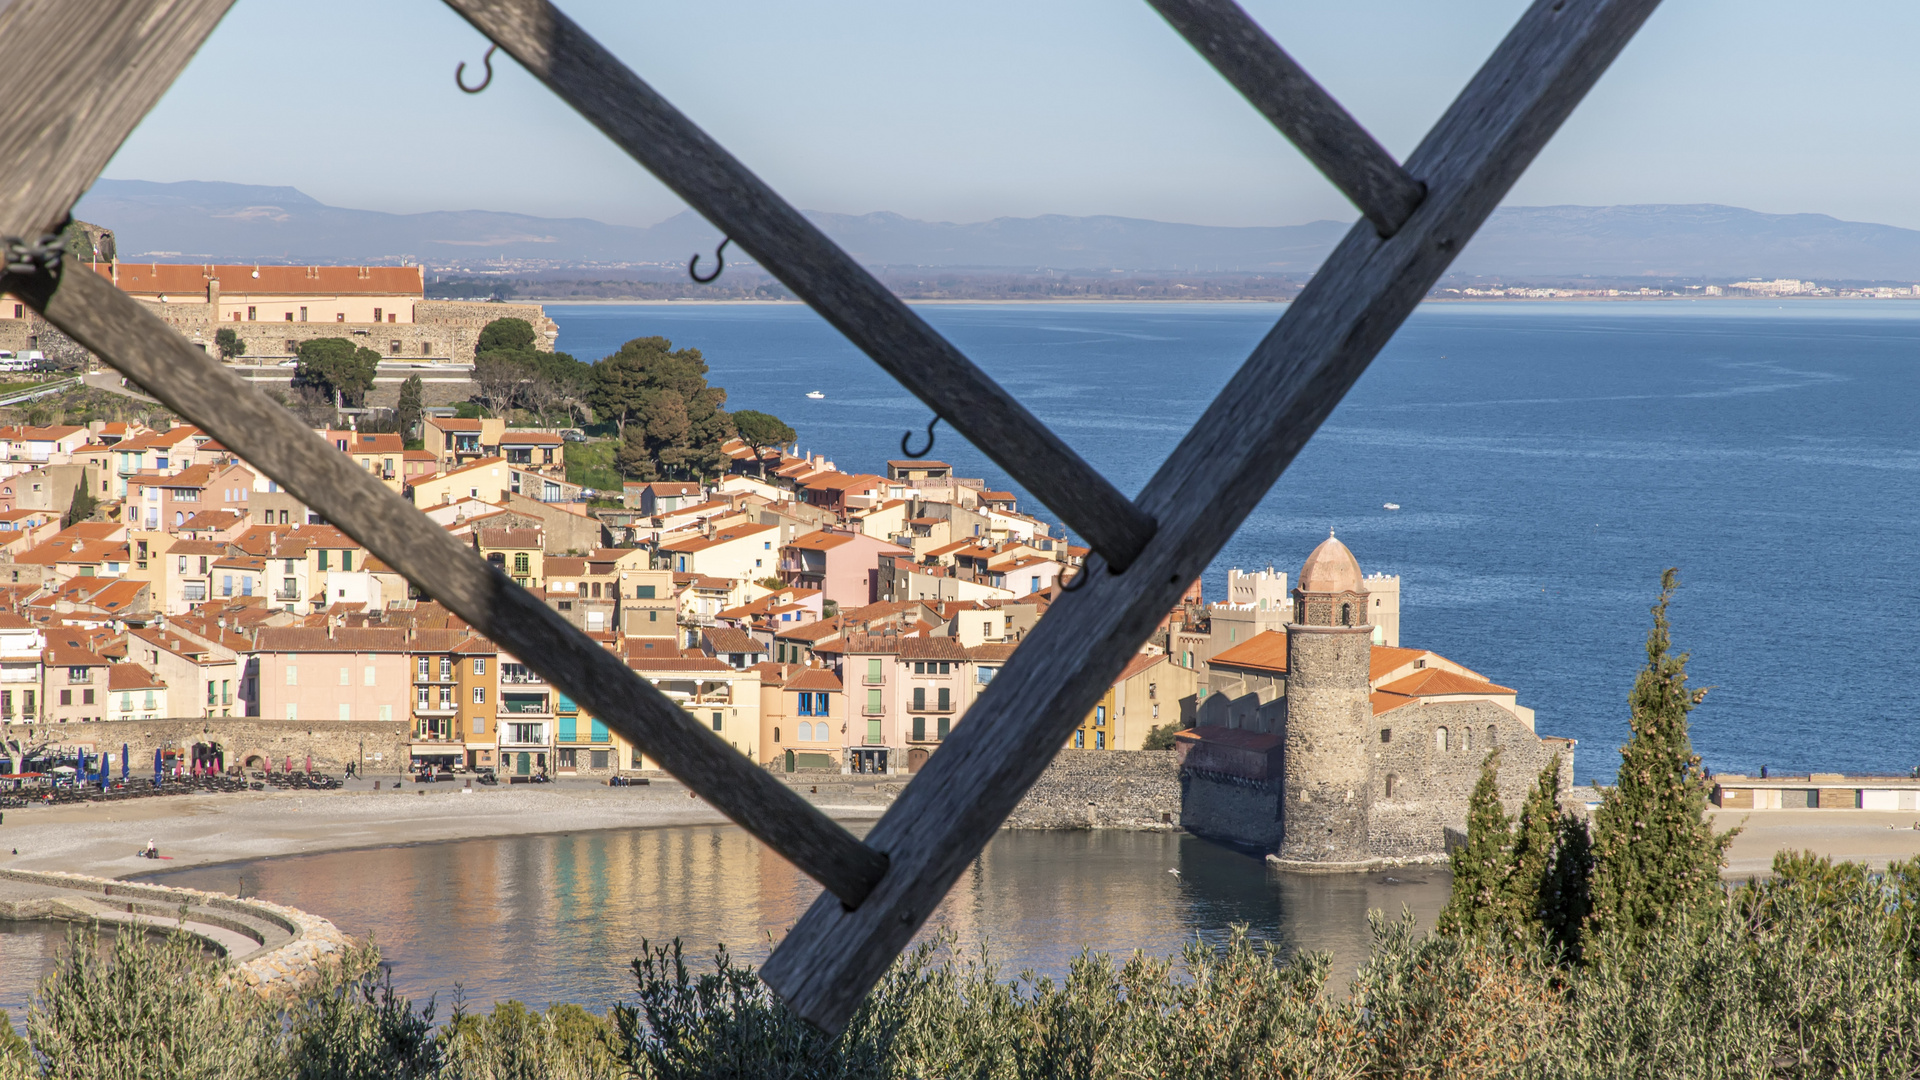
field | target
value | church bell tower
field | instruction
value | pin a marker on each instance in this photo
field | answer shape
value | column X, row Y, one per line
column 1328, row 791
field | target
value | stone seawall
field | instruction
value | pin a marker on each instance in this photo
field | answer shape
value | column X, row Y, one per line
column 275, row 950
column 382, row 747
column 1104, row 789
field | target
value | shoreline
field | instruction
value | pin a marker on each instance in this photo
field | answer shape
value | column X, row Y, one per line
column 195, row 831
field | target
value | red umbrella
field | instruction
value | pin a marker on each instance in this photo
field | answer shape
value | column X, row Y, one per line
column 309, row 762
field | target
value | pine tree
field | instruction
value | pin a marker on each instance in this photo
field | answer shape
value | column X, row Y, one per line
column 1478, row 902
column 1656, row 861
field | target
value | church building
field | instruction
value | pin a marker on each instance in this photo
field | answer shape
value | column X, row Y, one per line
column 1325, row 743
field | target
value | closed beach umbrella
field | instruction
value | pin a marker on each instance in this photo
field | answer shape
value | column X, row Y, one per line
column 80, row 763
column 125, row 758
column 157, row 766
column 309, row 763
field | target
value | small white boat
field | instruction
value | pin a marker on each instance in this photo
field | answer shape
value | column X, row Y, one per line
column 815, row 394
column 1389, row 506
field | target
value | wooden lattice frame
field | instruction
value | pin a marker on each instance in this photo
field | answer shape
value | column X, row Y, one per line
column 79, row 77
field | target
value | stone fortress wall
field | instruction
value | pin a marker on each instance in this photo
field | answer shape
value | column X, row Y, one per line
column 372, row 745
column 1422, row 782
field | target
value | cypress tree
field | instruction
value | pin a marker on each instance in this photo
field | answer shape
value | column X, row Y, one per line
column 1656, row 861
column 1478, row 900
column 1567, row 900
column 1536, row 839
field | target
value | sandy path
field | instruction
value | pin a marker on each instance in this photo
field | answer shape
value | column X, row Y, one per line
column 195, row 830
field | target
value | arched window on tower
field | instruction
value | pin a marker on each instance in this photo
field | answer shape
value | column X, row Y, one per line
column 1346, row 614
column 1467, row 734
column 1393, row 784
column 1493, row 738
column 1440, row 739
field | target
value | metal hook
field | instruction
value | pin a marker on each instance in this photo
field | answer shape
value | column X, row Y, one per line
column 719, row 259
column 484, row 83
column 1080, row 579
column 925, row 450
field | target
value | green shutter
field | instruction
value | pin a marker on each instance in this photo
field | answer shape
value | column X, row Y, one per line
column 919, row 729
column 599, row 732
column 946, row 699
column 873, row 732
column 873, row 701
column 567, row 728
column 873, row 669
column 643, row 592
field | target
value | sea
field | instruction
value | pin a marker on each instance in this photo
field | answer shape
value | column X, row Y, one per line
column 1549, row 461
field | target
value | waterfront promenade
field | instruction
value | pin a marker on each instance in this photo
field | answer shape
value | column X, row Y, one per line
column 194, row 830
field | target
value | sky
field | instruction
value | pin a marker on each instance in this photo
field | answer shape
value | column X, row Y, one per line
column 991, row 108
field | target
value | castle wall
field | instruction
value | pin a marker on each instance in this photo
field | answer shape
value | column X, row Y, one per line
column 331, row 742
column 1104, row 789
column 1231, row 809
column 1431, row 786
column 1327, row 762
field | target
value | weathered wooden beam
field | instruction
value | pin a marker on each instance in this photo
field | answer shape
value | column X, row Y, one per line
column 1229, row 460
column 658, row 136
column 1303, row 111
column 75, row 78
column 135, row 341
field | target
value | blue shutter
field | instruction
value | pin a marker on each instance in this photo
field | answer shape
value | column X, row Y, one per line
column 599, row 732
column 567, row 728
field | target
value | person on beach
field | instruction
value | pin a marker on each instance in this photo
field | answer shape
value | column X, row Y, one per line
column 153, row 849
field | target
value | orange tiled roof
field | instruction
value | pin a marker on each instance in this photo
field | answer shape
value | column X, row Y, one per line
column 1433, row 682
column 186, row 279
column 1265, row 651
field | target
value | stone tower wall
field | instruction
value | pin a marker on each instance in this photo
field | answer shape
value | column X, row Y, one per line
column 1327, row 757
column 1431, row 784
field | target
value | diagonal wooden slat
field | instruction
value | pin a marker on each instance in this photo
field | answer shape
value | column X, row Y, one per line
column 592, row 80
column 60, row 138
column 1303, row 111
column 74, row 80
column 134, row 340
column 1221, row 469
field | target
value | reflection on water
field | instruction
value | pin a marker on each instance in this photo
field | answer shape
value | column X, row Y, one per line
column 557, row 918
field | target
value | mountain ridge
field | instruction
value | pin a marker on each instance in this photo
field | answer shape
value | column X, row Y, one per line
column 219, row 221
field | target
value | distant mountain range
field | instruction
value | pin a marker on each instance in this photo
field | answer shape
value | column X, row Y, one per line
column 200, row 220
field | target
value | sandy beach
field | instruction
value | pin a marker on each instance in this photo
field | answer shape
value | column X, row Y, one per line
column 195, row 830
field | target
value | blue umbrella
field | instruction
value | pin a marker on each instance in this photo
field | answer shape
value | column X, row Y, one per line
column 124, row 758
column 103, row 772
column 80, row 764
column 156, row 768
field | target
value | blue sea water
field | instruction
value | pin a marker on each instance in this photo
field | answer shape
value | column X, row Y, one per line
column 1550, row 460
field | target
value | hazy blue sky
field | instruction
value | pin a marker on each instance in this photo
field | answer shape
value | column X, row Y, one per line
column 969, row 111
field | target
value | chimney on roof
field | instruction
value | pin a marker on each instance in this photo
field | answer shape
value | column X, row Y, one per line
column 329, row 629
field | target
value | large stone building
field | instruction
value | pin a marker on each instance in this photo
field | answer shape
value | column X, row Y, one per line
column 275, row 308
column 1324, row 742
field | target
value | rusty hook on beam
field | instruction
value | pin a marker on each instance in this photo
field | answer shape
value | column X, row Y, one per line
column 906, row 436
column 719, row 259
column 460, row 72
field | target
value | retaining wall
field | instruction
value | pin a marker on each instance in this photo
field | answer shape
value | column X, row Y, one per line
column 332, row 743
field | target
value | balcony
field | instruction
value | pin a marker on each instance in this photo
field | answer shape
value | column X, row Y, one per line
column 524, row 704
column 509, row 677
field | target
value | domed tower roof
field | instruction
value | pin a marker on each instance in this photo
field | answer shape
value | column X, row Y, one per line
column 1331, row 569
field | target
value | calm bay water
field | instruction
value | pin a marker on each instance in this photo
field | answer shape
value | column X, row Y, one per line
column 1550, row 459
column 558, row 918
